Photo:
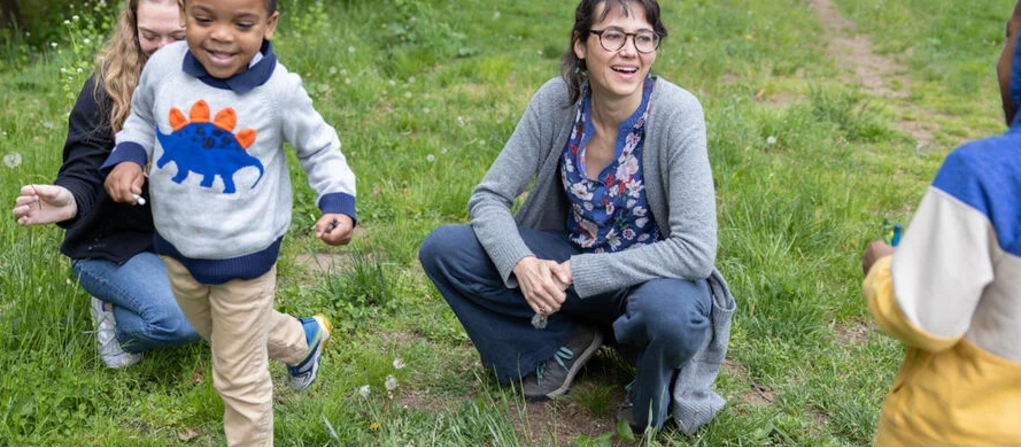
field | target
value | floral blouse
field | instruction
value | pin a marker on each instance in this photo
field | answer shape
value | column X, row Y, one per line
column 609, row 213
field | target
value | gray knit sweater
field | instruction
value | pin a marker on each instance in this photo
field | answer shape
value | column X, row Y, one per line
column 679, row 187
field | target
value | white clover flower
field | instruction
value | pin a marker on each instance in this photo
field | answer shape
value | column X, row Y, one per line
column 399, row 362
column 460, row 121
column 426, row 110
column 364, row 391
column 75, row 17
column 12, row 160
column 411, row 80
column 392, row 83
column 87, row 40
column 407, row 95
column 482, row 143
column 771, row 140
column 53, row 44
column 430, row 158
column 79, row 70
column 347, row 81
column 343, row 72
column 63, row 70
column 67, row 22
column 390, row 383
column 496, row 15
column 333, row 70
column 350, row 49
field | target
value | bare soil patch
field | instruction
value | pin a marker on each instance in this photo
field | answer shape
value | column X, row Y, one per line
column 878, row 75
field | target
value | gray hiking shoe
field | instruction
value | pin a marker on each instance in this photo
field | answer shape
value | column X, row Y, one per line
column 553, row 377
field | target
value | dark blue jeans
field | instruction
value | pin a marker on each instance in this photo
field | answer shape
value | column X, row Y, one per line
column 657, row 325
column 143, row 305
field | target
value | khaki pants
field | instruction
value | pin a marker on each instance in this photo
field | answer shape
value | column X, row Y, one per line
column 238, row 320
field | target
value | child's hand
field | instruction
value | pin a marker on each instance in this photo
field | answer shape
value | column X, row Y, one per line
column 335, row 229
column 124, row 184
column 875, row 251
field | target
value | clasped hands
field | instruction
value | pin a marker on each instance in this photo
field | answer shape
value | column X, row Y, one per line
column 543, row 283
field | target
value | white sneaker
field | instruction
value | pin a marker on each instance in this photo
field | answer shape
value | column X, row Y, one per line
column 109, row 348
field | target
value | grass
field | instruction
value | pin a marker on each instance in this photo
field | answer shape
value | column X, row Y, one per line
column 423, row 95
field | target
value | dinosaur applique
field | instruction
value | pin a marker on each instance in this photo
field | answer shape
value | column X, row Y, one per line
column 207, row 148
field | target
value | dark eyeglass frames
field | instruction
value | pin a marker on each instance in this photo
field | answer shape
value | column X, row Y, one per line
column 613, row 39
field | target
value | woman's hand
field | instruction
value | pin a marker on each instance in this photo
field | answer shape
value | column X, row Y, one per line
column 44, row 204
column 876, row 250
column 543, row 283
column 335, row 229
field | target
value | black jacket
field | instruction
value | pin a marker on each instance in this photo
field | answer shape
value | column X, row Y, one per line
column 102, row 229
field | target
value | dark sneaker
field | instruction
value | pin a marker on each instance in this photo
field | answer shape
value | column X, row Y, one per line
column 626, row 411
column 317, row 333
column 553, row 377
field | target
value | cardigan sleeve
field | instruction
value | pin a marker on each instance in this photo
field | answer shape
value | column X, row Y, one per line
column 509, row 175
column 688, row 249
column 89, row 141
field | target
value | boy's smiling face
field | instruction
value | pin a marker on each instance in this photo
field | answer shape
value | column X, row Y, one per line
column 224, row 35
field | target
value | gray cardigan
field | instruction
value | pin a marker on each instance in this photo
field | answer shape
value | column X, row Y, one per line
column 679, row 187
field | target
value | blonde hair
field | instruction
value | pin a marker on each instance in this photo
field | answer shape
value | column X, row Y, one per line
column 119, row 64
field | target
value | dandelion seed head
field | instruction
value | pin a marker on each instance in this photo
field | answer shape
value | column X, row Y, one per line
column 411, row 80
column 390, row 383
column 399, row 362
column 392, row 83
column 426, row 110
column 351, row 49
column 443, row 151
column 333, row 70
column 347, row 81
column 364, row 391
column 407, row 94
column 430, row 158
column 12, row 160
column 771, row 140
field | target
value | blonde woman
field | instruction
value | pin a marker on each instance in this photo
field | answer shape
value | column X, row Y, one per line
column 110, row 244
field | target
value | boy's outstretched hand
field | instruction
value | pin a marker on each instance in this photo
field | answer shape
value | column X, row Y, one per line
column 335, row 229
column 124, row 184
column 876, row 250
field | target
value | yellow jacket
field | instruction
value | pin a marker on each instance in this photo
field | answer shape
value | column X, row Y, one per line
column 952, row 294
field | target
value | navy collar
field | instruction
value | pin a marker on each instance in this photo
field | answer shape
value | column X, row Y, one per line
column 240, row 83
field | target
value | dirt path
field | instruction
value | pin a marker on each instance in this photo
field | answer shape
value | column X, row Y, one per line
column 878, row 75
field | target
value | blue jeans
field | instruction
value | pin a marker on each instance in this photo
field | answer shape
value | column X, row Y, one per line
column 143, row 305
column 658, row 325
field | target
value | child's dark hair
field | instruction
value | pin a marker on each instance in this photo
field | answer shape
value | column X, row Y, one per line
column 271, row 6
column 572, row 69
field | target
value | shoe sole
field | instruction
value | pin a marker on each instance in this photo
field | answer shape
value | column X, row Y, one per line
column 319, row 353
column 575, row 369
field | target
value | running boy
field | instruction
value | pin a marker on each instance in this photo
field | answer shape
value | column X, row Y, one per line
column 211, row 117
column 952, row 293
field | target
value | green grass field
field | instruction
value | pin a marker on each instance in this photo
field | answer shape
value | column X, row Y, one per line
column 807, row 163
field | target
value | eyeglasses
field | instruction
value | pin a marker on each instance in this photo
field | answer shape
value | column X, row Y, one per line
column 613, row 39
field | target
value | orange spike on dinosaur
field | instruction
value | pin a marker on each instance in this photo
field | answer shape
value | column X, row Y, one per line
column 200, row 112
column 246, row 137
column 226, row 119
column 177, row 119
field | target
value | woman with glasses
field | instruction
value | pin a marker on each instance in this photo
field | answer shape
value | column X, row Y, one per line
column 615, row 241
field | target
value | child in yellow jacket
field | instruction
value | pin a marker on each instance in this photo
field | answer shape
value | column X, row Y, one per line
column 951, row 292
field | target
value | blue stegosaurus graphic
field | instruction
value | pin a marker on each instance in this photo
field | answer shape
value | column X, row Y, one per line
column 207, row 148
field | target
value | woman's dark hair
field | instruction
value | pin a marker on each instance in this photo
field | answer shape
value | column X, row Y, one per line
column 573, row 69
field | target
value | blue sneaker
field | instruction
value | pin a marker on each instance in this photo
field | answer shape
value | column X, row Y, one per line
column 317, row 332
